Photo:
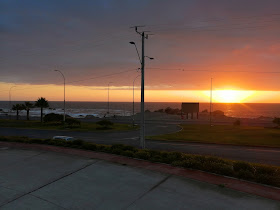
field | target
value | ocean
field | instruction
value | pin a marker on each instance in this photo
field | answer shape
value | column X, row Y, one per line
column 99, row 109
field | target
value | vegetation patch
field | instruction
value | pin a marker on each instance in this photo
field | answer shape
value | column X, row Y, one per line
column 55, row 123
column 225, row 134
column 254, row 172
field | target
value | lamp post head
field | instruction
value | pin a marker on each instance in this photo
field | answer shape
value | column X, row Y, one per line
column 132, row 43
column 149, row 57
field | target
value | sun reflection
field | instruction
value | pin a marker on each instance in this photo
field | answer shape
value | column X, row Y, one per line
column 230, row 96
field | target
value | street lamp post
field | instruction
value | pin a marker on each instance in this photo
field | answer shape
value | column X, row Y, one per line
column 10, row 104
column 142, row 62
column 211, row 104
column 64, row 94
column 108, row 98
column 133, row 101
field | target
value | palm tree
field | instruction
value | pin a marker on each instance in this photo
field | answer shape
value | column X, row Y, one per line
column 27, row 107
column 18, row 107
column 42, row 103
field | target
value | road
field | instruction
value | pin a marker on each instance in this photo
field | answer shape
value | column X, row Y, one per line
column 247, row 153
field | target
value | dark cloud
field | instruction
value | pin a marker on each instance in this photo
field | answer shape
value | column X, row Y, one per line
column 90, row 38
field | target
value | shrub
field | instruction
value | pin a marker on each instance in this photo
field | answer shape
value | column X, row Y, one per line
column 52, row 117
column 157, row 158
column 263, row 169
column 127, row 153
column 89, row 146
column 103, row 148
column 218, row 168
column 173, row 156
column 169, row 110
column 237, row 123
column 204, row 111
column 72, row 122
column 245, row 174
column 276, row 120
column 159, row 110
column 105, row 124
column 218, row 113
column 249, row 171
column 267, row 179
column 142, row 154
column 190, row 163
column 77, row 142
column 124, row 147
column 241, row 165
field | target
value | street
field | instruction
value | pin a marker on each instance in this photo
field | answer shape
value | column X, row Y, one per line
column 262, row 155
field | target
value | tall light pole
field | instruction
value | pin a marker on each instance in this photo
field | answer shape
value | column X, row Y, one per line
column 133, row 101
column 211, row 103
column 10, row 104
column 142, row 61
column 108, row 97
column 64, row 94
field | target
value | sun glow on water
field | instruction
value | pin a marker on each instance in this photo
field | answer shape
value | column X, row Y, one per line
column 230, row 96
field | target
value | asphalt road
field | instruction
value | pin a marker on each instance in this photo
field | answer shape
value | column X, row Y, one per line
column 247, row 153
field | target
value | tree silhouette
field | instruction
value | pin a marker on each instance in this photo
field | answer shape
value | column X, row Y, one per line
column 18, row 107
column 27, row 107
column 42, row 103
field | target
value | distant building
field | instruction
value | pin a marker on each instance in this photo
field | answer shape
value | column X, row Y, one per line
column 190, row 108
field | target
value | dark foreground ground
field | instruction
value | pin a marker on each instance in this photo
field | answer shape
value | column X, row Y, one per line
column 34, row 179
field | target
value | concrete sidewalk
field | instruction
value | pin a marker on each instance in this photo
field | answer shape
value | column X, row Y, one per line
column 35, row 179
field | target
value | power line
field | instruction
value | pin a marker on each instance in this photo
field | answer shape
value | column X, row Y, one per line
column 92, row 78
column 220, row 19
column 198, row 70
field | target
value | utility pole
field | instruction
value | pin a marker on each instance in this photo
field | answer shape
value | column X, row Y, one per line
column 10, row 103
column 142, row 61
column 211, row 103
column 133, row 101
column 108, row 105
column 64, row 95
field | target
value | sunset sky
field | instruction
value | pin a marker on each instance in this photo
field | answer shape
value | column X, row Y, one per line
column 234, row 42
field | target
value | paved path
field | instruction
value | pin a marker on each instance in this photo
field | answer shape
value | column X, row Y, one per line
column 252, row 154
column 32, row 179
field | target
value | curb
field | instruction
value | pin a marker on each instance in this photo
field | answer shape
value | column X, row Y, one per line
column 231, row 183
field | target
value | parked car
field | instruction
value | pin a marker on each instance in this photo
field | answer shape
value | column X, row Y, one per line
column 66, row 138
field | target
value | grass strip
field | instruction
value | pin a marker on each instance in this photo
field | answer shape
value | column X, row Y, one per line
column 85, row 126
column 225, row 134
column 259, row 173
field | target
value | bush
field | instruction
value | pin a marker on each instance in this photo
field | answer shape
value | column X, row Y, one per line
column 204, row 111
column 218, row 113
column 276, row 120
column 218, row 168
column 237, row 123
column 142, row 154
column 169, row 110
column 249, row 171
column 127, row 153
column 159, row 110
column 89, row 146
column 240, row 165
column 72, row 122
column 52, row 117
column 244, row 174
column 105, row 124
column 77, row 142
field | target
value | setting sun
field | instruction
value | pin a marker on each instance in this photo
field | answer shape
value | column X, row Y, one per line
column 230, row 96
